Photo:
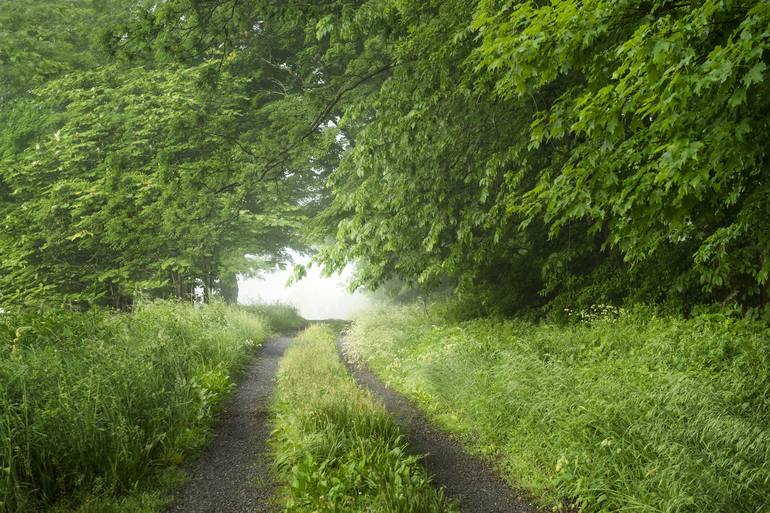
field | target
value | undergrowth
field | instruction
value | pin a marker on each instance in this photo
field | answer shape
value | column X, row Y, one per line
column 94, row 405
column 281, row 318
column 336, row 449
column 615, row 411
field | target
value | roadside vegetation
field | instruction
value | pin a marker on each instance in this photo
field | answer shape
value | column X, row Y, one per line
column 612, row 411
column 94, row 406
column 336, row 449
column 280, row 317
column 524, row 158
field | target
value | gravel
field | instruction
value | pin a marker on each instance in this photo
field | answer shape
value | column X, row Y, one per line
column 234, row 474
column 467, row 479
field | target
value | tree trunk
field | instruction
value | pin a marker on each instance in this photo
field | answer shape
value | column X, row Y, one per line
column 228, row 287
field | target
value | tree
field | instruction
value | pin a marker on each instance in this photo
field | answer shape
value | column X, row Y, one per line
column 524, row 153
column 155, row 177
column 658, row 127
column 599, row 146
column 138, row 183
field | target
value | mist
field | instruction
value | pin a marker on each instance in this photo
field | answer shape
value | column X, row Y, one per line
column 315, row 296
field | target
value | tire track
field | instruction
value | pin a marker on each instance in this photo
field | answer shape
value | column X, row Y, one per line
column 467, row 478
column 233, row 475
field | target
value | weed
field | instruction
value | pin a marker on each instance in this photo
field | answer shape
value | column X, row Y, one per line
column 282, row 318
column 93, row 403
column 336, row 449
column 621, row 411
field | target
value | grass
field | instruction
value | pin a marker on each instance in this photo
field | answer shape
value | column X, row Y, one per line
column 93, row 406
column 281, row 318
column 616, row 411
column 336, row 449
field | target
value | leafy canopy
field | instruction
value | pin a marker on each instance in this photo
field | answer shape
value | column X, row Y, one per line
column 521, row 152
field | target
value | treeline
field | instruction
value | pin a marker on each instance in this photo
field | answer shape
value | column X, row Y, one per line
column 561, row 153
column 122, row 177
column 523, row 153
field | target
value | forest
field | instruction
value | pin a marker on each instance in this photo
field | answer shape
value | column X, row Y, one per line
column 568, row 200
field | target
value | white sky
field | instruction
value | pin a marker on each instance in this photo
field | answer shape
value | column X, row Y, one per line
column 316, row 297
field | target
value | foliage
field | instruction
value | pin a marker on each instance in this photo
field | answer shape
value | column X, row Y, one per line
column 44, row 39
column 281, row 318
column 522, row 152
column 577, row 149
column 622, row 410
column 143, row 176
column 653, row 110
column 128, row 187
column 93, row 403
column 336, row 449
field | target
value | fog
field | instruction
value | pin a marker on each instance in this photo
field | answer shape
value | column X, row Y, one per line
column 315, row 296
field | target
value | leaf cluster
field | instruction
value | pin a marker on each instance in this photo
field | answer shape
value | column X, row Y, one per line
column 577, row 151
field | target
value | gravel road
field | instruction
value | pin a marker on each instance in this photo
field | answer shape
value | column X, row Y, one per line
column 233, row 474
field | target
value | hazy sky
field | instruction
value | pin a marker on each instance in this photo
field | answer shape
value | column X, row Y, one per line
column 315, row 297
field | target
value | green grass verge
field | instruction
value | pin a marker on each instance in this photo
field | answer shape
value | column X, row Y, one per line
column 618, row 412
column 336, row 449
column 94, row 406
column 281, row 318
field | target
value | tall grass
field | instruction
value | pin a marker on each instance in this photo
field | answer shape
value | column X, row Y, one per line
column 92, row 403
column 616, row 412
column 336, row 449
column 282, row 318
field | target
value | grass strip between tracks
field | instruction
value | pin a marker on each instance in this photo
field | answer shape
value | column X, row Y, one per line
column 336, row 448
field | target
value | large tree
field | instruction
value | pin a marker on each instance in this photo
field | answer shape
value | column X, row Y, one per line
column 151, row 174
column 617, row 149
column 136, row 183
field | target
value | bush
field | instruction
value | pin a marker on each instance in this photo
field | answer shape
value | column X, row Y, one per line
column 617, row 411
column 282, row 318
column 92, row 403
